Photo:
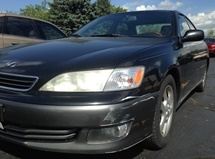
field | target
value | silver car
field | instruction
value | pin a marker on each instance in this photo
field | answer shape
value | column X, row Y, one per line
column 15, row 29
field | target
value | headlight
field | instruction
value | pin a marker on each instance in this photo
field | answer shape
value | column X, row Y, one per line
column 97, row 80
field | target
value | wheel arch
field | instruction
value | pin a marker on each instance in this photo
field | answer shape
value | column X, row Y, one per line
column 175, row 73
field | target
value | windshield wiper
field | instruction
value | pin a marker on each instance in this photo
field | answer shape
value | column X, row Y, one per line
column 107, row 35
column 75, row 35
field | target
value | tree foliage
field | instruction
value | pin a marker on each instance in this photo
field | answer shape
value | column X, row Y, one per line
column 117, row 9
column 70, row 15
column 36, row 11
column 104, row 7
column 211, row 33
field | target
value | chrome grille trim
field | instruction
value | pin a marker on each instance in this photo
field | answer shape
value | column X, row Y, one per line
column 17, row 82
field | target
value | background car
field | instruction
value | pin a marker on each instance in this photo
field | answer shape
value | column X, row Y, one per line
column 16, row 29
column 211, row 45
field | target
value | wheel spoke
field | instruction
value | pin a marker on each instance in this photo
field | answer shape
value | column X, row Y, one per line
column 165, row 128
column 162, row 122
column 165, row 95
column 163, row 107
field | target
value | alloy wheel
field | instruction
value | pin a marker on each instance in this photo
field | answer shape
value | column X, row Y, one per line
column 167, row 108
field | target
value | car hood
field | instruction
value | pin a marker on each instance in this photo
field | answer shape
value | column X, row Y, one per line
column 73, row 54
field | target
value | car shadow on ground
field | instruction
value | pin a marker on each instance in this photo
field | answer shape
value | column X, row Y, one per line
column 212, row 55
column 21, row 152
column 185, row 100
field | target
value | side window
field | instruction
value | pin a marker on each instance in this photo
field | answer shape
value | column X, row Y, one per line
column 183, row 25
column 49, row 31
column 20, row 27
column 1, row 24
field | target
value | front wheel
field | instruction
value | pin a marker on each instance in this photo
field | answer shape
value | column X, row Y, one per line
column 164, row 114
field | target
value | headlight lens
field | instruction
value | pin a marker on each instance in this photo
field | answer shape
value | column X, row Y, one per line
column 97, row 80
column 124, row 79
column 86, row 81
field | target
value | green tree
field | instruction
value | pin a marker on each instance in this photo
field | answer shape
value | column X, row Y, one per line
column 70, row 15
column 117, row 9
column 35, row 11
column 211, row 33
column 103, row 7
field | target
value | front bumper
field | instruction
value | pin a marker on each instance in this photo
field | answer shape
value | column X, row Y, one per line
column 65, row 128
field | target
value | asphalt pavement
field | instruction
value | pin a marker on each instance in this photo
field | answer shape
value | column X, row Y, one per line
column 193, row 135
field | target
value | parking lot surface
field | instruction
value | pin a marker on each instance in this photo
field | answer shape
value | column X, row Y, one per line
column 193, row 135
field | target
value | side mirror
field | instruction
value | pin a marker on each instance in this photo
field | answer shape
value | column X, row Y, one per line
column 193, row 35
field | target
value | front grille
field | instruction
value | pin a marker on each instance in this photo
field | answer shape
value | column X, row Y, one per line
column 17, row 82
column 39, row 134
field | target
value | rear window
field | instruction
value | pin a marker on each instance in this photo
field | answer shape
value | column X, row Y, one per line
column 156, row 28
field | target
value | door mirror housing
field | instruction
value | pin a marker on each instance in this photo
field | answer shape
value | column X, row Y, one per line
column 193, row 35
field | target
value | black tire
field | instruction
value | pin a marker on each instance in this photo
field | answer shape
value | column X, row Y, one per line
column 212, row 55
column 202, row 85
column 140, row 156
column 157, row 141
column 135, row 152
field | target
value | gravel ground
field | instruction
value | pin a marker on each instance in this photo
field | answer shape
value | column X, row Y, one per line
column 193, row 135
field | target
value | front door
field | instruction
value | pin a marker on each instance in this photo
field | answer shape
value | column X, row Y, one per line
column 186, row 59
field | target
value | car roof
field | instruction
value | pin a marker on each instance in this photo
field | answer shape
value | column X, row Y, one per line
column 158, row 11
column 168, row 11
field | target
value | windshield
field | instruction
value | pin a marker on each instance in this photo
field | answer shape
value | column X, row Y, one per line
column 136, row 24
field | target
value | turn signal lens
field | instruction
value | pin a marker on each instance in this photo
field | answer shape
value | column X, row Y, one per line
column 125, row 78
column 138, row 77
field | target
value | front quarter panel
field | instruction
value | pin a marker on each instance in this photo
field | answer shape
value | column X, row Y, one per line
column 161, row 60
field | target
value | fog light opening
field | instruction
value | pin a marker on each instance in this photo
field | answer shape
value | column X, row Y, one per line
column 108, row 134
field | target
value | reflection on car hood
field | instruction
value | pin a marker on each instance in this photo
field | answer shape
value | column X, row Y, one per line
column 72, row 54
